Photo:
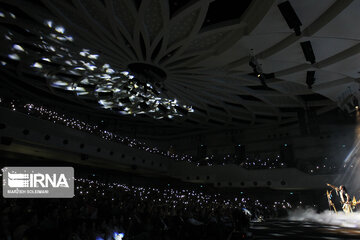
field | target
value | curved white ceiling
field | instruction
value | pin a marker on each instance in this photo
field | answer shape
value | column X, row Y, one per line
column 207, row 67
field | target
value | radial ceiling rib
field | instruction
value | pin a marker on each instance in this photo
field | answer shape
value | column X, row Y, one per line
column 323, row 19
column 185, row 55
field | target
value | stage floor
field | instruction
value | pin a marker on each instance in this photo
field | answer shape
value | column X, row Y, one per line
column 278, row 229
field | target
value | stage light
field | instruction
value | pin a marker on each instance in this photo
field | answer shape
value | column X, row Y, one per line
column 290, row 16
column 308, row 51
column 257, row 70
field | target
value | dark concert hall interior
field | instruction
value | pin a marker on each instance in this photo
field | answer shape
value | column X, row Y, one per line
column 179, row 119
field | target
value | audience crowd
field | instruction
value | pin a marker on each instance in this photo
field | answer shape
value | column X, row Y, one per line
column 113, row 211
column 269, row 160
column 257, row 161
column 65, row 119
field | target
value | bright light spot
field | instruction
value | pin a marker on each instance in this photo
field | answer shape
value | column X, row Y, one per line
column 125, row 73
column 91, row 67
column 37, row 65
column 110, row 71
column 79, row 68
column 60, row 29
column 12, row 15
column 14, row 56
column 105, row 76
column 85, row 81
column 46, row 59
column 82, row 93
column 105, row 103
column 124, row 112
column 18, row 47
column 61, row 38
column 118, row 236
column 3, row 63
column 2, row 14
column 93, row 56
column 49, row 23
column 59, row 83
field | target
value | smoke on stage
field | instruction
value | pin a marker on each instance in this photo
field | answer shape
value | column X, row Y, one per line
column 350, row 220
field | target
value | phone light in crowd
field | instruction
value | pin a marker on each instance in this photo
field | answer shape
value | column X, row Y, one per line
column 118, row 236
column 99, row 238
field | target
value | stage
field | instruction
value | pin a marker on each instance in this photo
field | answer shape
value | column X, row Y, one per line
column 286, row 229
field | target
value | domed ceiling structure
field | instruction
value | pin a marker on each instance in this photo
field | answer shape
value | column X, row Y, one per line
column 204, row 63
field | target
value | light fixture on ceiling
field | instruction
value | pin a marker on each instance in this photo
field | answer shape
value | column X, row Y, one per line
column 257, row 69
column 137, row 90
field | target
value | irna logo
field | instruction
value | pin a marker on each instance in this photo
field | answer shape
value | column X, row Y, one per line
column 38, row 182
column 21, row 180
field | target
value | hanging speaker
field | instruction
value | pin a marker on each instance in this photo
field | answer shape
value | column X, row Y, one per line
column 290, row 16
column 310, row 78
column 308, row 51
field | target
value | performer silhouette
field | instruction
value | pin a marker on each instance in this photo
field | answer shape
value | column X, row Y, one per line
column 344, row 197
